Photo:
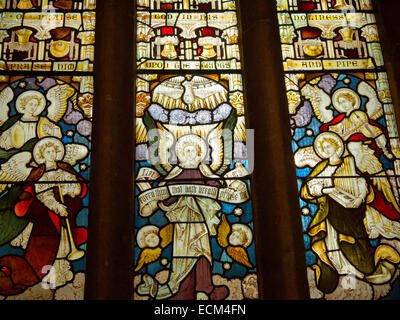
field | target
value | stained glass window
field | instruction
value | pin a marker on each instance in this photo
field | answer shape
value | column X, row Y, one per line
column 46, row 100
column 193, row 221
column 346, row 147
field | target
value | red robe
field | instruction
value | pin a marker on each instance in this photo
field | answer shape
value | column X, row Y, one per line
column 16, row 272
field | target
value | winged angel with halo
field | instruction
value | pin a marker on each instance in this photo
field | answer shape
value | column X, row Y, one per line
column 188, row 196
column 365, row 139
column 41, row 195
column 362, row 142
column 21, row 131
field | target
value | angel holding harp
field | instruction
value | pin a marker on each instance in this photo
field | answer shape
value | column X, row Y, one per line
column 52, row 192
column 338, row 235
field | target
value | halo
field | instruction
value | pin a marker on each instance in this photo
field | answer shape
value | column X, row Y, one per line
column 34, row 93
column 190, row 139
column 51, row 140
column 336, row 95
column 246, row 230
column 320, row 139
column 140, row 237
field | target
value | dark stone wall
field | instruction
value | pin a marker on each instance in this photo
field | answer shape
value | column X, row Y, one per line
column 387, row 14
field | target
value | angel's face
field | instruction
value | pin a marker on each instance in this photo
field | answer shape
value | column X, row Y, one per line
column 31, row 106
column 50, row 154
column 328, row 148
column 236, row 238
column 346, row 104
column 152, row 240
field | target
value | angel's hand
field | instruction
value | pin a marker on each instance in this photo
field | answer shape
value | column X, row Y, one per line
column 388, row 154
column 61, row 210
column 328, row 190
column 357, row 202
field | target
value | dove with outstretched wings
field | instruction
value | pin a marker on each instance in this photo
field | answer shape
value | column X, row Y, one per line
column 149, row 255
column 236, row 249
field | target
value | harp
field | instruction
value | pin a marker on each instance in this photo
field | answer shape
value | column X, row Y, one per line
column 346, row 184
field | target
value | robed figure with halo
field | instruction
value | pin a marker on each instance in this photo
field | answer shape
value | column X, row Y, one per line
column 195, row 220
column 49, row 200
column 337, row 231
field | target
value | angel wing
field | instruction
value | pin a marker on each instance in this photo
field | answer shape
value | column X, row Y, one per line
column 320, row 101
column 166, row 235
column 374, row 106
column 215, row 141
column 166, row 142
column 240, row 255
column 15, row 169
column 58, row 96
column 141, row 131
column 169, row 93
column 147, row 256
column 306, row 157
column 367, row 162
column 224, row 229
column 6, row 97
column 75, row 152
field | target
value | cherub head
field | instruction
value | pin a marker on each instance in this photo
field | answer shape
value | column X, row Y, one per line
column 190, row 150
column 148, row 237
column 346, row 100
column 241, row 235
column 30, row 103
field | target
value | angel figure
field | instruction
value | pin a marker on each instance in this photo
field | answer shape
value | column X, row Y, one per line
column 22, row 131
column 148, row 239
column 368, row 140
column 50, row 200
column 194, row 220
column 235, row 239
column 353, row 124
column 337, row 231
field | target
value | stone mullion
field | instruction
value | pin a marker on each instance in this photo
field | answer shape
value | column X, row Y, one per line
column 279, row 241
column 110, row 242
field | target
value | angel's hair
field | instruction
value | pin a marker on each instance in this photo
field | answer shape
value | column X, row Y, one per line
column 25, row 100
column 48, row 145
column 331, row 141
column 349, row 97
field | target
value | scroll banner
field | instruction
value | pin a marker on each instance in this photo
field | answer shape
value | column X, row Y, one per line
column 236, row 193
